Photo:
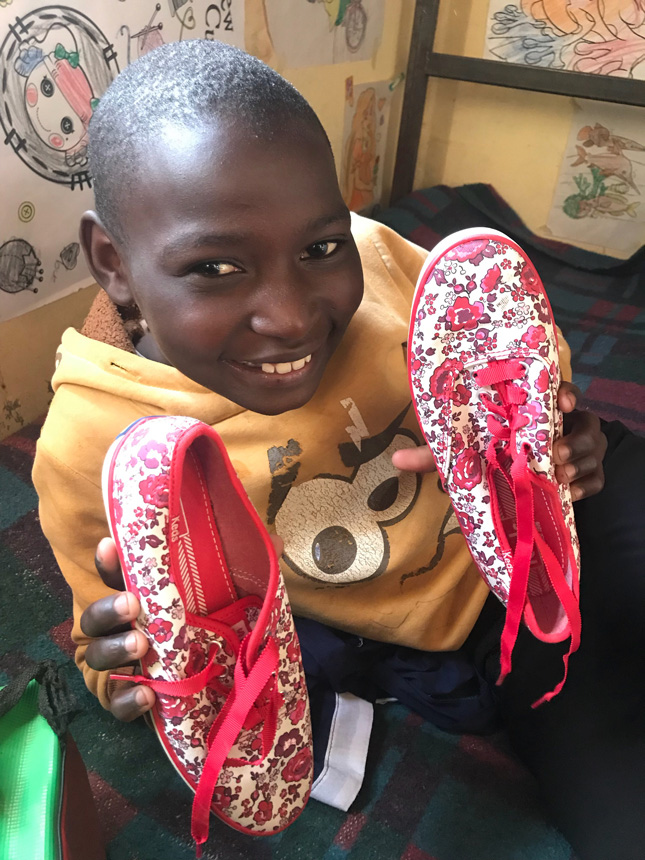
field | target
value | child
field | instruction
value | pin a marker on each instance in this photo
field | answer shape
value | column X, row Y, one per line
column 260, row 308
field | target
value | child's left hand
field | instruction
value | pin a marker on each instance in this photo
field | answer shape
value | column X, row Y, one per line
column 577, row 455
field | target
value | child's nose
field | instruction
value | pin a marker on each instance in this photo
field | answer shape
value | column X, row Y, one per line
column 288, row 312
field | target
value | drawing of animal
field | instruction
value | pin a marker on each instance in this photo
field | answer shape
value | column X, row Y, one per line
column 609, row 164
column 608, row 204
column 600, row 136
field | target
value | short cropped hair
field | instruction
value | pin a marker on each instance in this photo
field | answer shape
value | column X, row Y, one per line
column 191, row 84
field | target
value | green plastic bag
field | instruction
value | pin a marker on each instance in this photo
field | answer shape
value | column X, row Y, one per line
column 46, row 807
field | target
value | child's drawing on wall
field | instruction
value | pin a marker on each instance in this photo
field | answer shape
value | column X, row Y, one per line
column 578, row 35
column 58, row 98
column 54, row 65
column 56, row 61
column 186, row 18
column 19, row 267
column 147, row 37
column 317, row 32
column 604, row 190
column 360, row 162
column 607, row 153
column 596, row 199
column 598, row 196
column 364, row 140
column 67, row 258
column 349, row 14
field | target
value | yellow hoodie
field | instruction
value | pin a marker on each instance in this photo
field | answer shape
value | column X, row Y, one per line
column 367, row 549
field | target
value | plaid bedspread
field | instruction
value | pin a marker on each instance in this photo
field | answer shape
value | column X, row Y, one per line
column 428, row 795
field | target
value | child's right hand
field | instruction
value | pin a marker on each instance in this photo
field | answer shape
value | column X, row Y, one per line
column 116, row 644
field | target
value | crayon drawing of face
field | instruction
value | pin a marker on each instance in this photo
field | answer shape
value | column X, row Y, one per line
column 55, row 64
column 59, row 98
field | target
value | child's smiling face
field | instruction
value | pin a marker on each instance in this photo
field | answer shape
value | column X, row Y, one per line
column 240, row 257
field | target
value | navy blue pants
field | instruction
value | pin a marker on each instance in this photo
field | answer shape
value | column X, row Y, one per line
column 586, row 747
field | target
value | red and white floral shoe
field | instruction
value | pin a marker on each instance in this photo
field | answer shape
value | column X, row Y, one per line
column 231, row 710
column 484, row 374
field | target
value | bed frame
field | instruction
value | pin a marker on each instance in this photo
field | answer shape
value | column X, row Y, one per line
column 424, row 62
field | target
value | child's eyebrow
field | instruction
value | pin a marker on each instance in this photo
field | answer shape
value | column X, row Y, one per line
column 190, row 241
column 326, row 220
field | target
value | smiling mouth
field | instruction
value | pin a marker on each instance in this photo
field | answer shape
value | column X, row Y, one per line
column 281, row 368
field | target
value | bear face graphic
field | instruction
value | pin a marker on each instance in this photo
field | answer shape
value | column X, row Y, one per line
column 334, row 527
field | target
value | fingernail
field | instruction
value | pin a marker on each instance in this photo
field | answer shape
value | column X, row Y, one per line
column 131, row 643
column 576, row 493
column 141, row 697
column 571, row 401
column 570, row 471
column 565, row 452
column 122, row 604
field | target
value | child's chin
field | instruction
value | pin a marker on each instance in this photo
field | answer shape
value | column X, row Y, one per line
column 276, row 403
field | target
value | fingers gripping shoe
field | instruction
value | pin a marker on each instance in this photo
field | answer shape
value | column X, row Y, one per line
column 231, row 708
column 484, row 375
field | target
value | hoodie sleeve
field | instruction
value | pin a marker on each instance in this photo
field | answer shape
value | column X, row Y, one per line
column 73, row 521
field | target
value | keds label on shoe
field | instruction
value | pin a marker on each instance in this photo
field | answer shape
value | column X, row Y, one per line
column 174, row 529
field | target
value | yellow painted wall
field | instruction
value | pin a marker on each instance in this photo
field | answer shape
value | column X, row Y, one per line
column 512, row 139
column 28, row 343
column 27, row 350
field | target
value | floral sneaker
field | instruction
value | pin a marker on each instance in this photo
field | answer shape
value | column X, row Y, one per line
column 232, row 711
column 484, row 374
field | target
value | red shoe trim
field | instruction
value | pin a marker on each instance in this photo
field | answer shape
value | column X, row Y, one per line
column 224, row 485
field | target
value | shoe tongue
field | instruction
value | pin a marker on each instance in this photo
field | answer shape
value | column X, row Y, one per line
column 239, row 616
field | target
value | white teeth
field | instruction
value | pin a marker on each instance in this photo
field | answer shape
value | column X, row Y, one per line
column 283, row 366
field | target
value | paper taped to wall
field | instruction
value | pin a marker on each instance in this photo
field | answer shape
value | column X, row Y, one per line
column 605, row 38
column 55, row 63
column 598, row 198
column 320, row 32
column 367, row 109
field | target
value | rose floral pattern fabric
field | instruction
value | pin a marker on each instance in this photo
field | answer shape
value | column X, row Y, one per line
column 265, row 779
column 484, row 376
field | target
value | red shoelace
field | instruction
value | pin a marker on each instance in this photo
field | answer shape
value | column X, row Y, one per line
column 503, row 423
column 252, row 698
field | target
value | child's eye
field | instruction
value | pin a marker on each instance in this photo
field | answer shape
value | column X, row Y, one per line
column 216, row 269
column 319, row 250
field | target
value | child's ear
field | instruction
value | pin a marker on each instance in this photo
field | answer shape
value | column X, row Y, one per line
column 104, row 260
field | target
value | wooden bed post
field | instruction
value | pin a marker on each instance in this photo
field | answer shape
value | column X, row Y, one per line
column 424, row 62
column 414, row 97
